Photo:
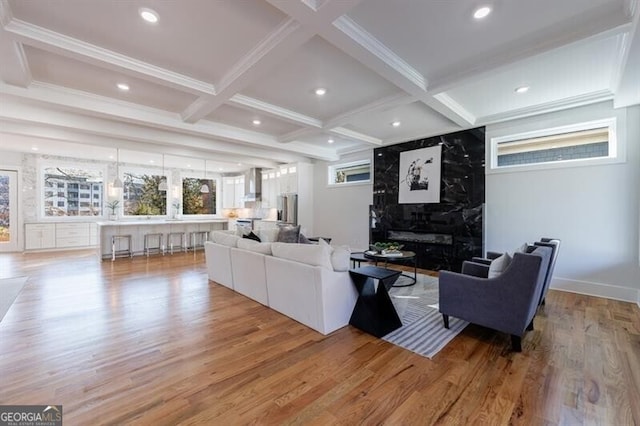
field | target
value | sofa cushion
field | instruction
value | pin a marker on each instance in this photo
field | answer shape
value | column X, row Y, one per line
column 309, row 254
column 340, row 255
column 252, row 236
column 289, row 233
column 498, row 265
column 269, row 235
column 251, row 245
column 225, row 239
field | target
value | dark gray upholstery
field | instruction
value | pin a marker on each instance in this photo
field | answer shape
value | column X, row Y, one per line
column 505, row 303
column 554, row 244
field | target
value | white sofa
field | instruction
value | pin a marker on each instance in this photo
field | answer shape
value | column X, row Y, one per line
column 297, row 280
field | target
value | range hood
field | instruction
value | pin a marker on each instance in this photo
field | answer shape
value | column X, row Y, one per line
column 253, row 185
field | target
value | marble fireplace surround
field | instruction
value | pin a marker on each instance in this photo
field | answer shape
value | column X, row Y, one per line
column 442, row 234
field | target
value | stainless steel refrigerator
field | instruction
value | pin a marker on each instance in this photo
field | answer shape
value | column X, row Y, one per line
column 288, row 208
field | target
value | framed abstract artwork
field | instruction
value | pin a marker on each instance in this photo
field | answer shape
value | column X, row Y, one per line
column 420, row 176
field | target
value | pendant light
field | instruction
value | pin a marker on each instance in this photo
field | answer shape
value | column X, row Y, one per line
column 204, row 189
column 163, row 183
column 117, row 182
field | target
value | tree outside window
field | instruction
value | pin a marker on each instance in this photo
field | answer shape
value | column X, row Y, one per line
column 195, row 202
column 141, row 195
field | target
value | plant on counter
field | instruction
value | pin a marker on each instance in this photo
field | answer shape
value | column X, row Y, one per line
column 113, row 206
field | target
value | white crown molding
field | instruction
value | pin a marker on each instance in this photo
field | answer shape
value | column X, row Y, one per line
column 71, row 47
column 625, row 82
column 276, row 111
column 572, row 102
column 6, row 15
column 358, row 34
column 351, row 134
column 454, row 106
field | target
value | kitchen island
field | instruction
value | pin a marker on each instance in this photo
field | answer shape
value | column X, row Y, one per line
column 138, row 228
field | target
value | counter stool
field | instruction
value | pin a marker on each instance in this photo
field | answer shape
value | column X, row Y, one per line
column 116, row 242
column 151, row 238
column 198, row 238
column 172, row 236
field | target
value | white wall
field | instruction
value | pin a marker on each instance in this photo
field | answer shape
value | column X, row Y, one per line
column 342, row 212
column 594, row 209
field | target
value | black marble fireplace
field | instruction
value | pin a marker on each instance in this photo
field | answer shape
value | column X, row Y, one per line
column 442, row 234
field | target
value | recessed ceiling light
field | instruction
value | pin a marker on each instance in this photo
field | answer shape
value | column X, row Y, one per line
column 188, row 166
column 111, row 157
column 239, row 164
column 396, row 124
column 482, row 12
column 123, row 86
column 321, row 91
column 522, row 89
column 148, row 15
column 151, row 161
column 220, row 168
column 257, row 122
column 330, row 141
column 34, row 148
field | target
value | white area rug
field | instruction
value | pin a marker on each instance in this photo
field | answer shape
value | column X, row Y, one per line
column 422, row 328
column 10, row 288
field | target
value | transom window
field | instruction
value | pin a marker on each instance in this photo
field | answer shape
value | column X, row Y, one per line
column 567, row 145
column 353, row 172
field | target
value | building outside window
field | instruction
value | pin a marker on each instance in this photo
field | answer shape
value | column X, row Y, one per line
column 141, row 196
column 67, row 178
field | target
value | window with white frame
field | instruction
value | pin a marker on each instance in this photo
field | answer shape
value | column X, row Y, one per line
column 65, row 187
column 352, row 172
column 199, row 196
column 575, row 144
column 140, row 194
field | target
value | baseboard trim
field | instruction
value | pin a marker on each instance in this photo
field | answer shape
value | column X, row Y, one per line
column 625, row 294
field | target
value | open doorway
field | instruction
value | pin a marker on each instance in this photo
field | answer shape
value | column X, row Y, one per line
column 9, row 229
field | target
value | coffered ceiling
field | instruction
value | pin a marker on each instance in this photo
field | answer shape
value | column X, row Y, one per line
column 202, row 78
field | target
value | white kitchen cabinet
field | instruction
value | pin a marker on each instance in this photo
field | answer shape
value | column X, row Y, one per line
column 270, row 188
column 289, row 178
column 70, row 235
column 39, row 236
column 232, row 192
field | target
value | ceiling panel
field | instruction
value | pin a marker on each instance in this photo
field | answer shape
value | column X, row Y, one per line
column 243, row 118
column 555, row 76
column 339, row 143
column 69, row 73
column 349, row 84
column 415, row 119
column 436, row 36
column 198, row 38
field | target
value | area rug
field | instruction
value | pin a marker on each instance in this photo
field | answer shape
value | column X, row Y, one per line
column 10, row 288
column 422, row 330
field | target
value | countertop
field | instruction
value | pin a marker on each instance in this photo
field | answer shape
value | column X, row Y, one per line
column 142, row 222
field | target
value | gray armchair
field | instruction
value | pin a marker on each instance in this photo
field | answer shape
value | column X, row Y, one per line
column 554, row 244
column 506, row 303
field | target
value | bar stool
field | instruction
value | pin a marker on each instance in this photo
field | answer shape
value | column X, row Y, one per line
column 198, row 238
column 171, row 236
column 150, row 238
column 116, row 242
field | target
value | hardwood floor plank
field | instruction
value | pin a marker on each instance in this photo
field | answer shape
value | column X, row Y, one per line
column 152, row 341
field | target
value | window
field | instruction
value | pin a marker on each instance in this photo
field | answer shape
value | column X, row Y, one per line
column 575, row 144
column 64, row 177
column 141, row 196
column 357, row 171
column 195, row 202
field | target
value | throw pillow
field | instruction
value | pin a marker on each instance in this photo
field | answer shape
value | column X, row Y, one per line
column 523, row 248
column 252, row 236
column 340, row 258
column 304, row 240
column 288, row 234
column 269, row 235
column 309, row 254
column 499, row 265
column 251, row 245
column 242, row 230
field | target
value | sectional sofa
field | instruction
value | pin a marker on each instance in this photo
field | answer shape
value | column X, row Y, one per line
column 307, row 282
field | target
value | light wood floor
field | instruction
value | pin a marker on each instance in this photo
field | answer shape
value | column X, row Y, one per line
column 151, row 341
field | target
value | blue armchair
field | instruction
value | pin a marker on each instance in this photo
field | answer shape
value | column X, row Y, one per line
column 505, row 303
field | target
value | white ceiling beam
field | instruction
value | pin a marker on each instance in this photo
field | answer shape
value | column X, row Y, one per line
column 351, row 134
column 299, row 133
column 15, row 67
column 36, row 131
column 626, row 83
column 131, row 113
column 275, row 111
column 53, row 42
column 272, row 50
